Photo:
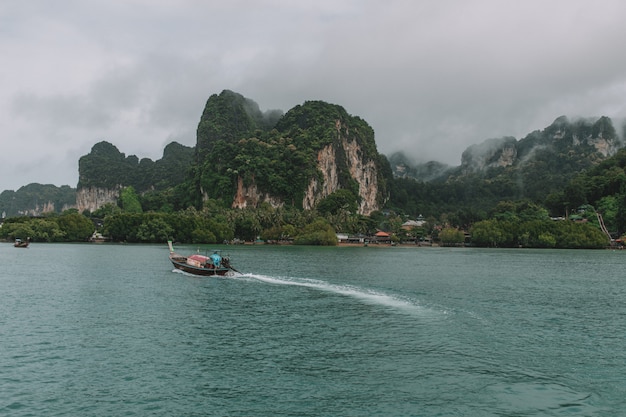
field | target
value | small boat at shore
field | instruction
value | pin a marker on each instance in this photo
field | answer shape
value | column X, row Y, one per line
column 97, row 237
column 196, row 264
column 19, row 243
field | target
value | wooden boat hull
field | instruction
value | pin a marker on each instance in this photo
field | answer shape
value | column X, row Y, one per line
column 214, row 265
column 182, row 265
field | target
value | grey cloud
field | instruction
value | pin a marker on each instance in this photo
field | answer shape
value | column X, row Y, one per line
column 430, row 77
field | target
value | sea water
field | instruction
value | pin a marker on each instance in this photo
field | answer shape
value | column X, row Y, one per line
column 113, row 330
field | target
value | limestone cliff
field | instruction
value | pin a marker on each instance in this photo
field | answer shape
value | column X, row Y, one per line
column 403, row 166
column 364, row 172
column 582, row 138
column 312, row 151
column 345, row 155
column 92, row 198
column 105, row 171
column 491, row 153
column 37, row 199
column 250, row 196
column 43, row 208
column 605, row 146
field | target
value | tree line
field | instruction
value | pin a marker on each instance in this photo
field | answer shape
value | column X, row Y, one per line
column 511, row 225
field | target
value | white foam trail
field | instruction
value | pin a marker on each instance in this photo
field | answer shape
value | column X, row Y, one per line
column 365, row 295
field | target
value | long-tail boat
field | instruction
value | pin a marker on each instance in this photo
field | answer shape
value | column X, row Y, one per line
column 196, row 264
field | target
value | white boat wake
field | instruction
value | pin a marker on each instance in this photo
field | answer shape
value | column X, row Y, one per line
column 368, row 296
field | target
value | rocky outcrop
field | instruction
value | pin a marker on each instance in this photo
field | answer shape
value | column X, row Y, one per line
column 364, row 172
column 404, row 167
column 37, row 199
column 491, row 153
column 303, row 156
column 316, row 190
column 606, row 147
column 92, row 198
column 249, row 196
column 581, row 138
column 39, row 209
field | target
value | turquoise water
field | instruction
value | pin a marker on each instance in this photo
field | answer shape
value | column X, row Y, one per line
column 112, row 330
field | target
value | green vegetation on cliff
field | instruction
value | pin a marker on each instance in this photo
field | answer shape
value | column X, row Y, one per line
column 239, row 146
column 229, row 117
column 544, row 169
column 35, row 197
column 505, row 190
column 106, row 167
column 276, row 167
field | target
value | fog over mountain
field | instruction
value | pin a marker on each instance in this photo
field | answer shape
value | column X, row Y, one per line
column 431, row 78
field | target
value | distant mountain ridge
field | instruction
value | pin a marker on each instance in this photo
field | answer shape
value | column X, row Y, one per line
column 35, row 199
column 571, row 145
column 405, row 167
column 245, row 157
column 106, row 166
column 102, row 173
column 105, row 171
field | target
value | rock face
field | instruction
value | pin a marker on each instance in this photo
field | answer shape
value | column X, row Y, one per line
column 92, row 198
column 580, row 137
column 250, row 196
column 606, row 147
column 311, row 152
column 491, row 153
column 403, row 166
column 39, row 209
column 364, row 172
column 105, row 171
column 298, row 160
column 599, row 136
column 37, row 199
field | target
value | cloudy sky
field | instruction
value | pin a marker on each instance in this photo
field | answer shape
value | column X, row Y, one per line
column 431, row 77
